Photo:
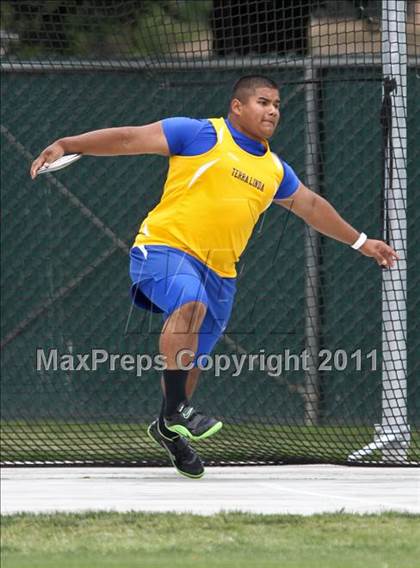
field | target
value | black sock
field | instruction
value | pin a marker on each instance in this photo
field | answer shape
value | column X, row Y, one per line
column 163, row 429
column 174, row 389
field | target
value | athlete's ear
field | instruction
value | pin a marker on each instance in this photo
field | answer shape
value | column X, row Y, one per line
column 236, row 107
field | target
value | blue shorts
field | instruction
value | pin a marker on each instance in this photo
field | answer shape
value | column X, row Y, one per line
column 165, row 278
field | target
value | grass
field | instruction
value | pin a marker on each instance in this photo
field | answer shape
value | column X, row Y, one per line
column 128, row 442
column 237, row 540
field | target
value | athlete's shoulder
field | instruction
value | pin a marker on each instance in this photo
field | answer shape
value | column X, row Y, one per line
column 182, row 124
column 289, row 183
column 181, row 131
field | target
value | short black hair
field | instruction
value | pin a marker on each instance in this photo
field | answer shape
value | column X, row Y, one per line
column 246, row 86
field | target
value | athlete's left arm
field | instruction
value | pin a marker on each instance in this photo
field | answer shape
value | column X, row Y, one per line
column 321, row 215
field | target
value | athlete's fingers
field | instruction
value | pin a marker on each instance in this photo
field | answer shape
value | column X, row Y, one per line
column 389, row 255
column 385, row 259
column 36, row 165
column 47, row 157
column 381, row 260
column 384, row 255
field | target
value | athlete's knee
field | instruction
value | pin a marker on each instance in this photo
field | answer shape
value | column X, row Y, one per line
column 192, row 315
column 187, row 319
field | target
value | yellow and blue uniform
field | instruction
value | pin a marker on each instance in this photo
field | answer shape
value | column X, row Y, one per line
column 188, row 245
column 212, row 201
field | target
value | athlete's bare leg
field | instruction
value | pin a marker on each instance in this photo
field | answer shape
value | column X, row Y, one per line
column 181, row 332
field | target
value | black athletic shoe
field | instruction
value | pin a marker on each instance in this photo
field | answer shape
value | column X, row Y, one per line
column 181, row 454
column 191, row 424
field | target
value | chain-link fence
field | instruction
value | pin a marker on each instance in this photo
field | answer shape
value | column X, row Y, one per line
column 315, row 315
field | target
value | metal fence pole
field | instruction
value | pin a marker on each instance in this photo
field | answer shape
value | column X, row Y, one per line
column 312, row 317
column 392, row 436
column 394, row 430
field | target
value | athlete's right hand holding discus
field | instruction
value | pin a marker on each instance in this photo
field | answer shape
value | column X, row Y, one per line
column 47, row 157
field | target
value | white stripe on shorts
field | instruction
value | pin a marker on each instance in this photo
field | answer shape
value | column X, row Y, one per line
column 144, row 251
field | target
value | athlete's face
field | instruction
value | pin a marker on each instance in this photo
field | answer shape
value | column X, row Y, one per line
column 259, row 115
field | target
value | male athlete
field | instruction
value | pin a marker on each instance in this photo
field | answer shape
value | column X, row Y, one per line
column 222, row 176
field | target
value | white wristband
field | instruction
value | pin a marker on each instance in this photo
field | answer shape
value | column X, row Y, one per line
column 360, row 241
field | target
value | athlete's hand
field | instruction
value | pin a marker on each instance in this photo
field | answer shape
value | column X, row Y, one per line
column 46, row 157
column 383, row 254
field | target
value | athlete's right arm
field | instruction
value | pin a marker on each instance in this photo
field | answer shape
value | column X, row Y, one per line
column 122, row 141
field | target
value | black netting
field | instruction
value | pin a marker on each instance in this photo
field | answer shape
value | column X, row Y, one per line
column 349, row 76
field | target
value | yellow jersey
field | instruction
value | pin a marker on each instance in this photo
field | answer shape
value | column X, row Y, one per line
column 211, row 202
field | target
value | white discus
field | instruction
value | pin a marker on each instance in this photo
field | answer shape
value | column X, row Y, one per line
column 59, row 164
